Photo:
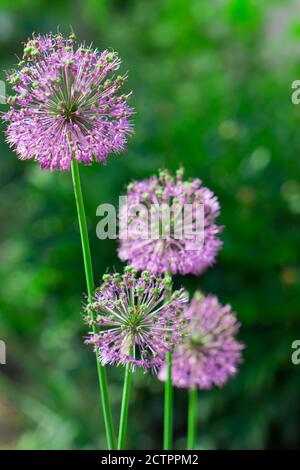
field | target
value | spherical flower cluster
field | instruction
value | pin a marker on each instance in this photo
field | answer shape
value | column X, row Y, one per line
column 209, row 352
column 66, row 103
column 168, row 225
column 138, row 318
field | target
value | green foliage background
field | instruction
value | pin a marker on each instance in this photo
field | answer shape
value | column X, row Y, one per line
column 212, row 86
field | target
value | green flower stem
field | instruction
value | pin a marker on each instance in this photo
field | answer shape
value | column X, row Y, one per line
column 168, row 412
column 124, row 407
column 90, row 288
column 168, row 408
column 192, row 419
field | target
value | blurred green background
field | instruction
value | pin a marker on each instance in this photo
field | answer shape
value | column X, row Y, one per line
column 212, row 91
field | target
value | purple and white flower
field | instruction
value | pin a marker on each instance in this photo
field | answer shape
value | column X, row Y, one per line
column 209, row 353
column 175, row 246
column 138, row 319
column 66, row 104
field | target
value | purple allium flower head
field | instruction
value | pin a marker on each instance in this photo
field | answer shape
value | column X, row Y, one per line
column 176, row 246
column 139, row 319
column 209, row 353
column 66, row 104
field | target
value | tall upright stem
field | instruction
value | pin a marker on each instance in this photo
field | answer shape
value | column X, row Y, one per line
column 192, row 419
column 90, row 288
column 124, row 407
column 168, row 412
column 168, row 408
